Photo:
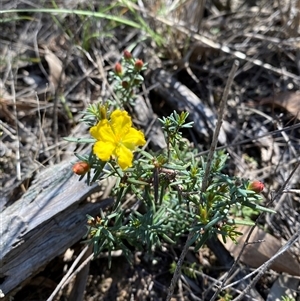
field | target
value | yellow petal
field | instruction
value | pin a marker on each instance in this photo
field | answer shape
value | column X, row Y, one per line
column 103, row 150
column 103, row 131
column 133, row 138
column 120, row 123
column 94, row 131
column 124, row 156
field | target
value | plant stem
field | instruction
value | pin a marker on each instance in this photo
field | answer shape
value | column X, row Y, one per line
column 206, row 175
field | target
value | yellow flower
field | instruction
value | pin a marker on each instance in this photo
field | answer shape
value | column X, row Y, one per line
column 116, row 138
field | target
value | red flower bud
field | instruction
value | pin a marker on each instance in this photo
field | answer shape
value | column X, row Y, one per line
column 138, row 65
column 256, row 186
column 118, row 69
column 127, row 55
column 81, row 168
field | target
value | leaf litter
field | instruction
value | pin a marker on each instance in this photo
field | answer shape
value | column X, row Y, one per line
column 47, row 62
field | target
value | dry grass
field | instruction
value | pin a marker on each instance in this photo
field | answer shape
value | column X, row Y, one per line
column 52, row 66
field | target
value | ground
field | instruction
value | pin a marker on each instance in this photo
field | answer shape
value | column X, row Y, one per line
column 53, row 64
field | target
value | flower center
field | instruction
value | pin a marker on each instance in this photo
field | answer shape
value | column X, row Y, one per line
column 118, row 139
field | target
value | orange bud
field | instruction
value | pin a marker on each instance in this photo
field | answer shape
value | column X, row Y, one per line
column 127, row 55
column 256, row 186
column 138, row 65
column 81, row 168
column 118, row 69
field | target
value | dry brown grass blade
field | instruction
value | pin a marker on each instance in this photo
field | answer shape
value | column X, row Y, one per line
column 218, row 46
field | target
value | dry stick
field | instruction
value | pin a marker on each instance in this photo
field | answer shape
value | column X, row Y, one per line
column 81, row 273
column 291, row 241
column 264, row 266
column 13, row 93
column 206, row 175
column 277, row 196
column 244, row 141
column 67, row 276
column 219, row 124
column 58, row 91
column 214, row 45
column 229, row 273
column 262, row 269
column 222, row 287
column 99, row 62
column 39, row 142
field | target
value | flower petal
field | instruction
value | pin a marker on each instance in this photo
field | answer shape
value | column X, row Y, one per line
column 124, row 156
column 103, row 150
column 116, row 138
column 103, row 131
column 133, row 138
column 120, row 123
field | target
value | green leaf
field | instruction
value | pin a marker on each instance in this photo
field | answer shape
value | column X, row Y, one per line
column 202, row 241
column 243, row 192
column 80, row 140
column 261, row 208
column 137, row 182
column 240, row 222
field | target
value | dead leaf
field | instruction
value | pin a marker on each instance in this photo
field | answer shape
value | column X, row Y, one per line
column 56, row 74
column 264, row 246
column 284, row 286
column 289, row 101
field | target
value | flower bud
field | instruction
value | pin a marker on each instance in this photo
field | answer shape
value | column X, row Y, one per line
column 137, row 82
column 125, row 84
column 118, row 69
column 127, row 55
column 81, row 168
column 138, row 65
column 256, row 186
column 103, row 111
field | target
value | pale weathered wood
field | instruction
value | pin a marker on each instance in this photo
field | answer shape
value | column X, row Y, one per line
column 49, row 218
